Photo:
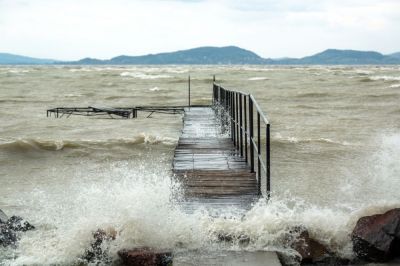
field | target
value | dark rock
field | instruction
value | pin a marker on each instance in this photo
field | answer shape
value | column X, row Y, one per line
column 310, row 250
column 98, row 251
column 3, row 217
column 16, row 223
column 7, row 236
column 240, row 239
column 145, row 257
column 377, row 237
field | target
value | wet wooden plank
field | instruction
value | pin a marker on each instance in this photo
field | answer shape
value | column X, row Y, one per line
column 208, row 164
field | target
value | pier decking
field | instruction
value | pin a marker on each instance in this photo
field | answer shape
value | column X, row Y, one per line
column 207, row 161
column 218, row 158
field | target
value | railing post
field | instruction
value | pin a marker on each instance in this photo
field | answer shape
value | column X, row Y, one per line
column 213, row 98
column 232, row 117
column 251, row 133
column 189, row 90
column 241, row 124
column 237, row 119
column 225, row 103
column 268, row 160
column 245, row 128
column 258, row 153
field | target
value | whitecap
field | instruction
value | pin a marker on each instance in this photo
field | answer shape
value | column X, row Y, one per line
column 364, row 72
column 154, row 89
column 258, row 78
column 394, row 86
column 385, row 78
column 143, row 75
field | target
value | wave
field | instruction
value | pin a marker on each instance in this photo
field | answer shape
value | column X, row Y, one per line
column 312, row 95
column 144, row 76
column 304, row 106
column 385, row 78
column 363, row 72
column 293, row 140
column 383, row 96
column 154, row 89
column 134, row 201
column 134, row 208
column 394, row 86
column 258, row 78
column 16, row 71
column 23, row 145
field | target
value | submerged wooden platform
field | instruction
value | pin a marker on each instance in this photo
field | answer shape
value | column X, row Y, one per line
column 209, row 165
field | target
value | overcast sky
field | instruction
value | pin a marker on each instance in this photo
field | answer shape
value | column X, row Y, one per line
column 72, row 29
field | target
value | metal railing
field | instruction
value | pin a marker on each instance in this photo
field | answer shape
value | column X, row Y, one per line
column 244, row 115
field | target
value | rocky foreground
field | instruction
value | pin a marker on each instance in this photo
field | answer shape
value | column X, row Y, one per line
column 375, row 238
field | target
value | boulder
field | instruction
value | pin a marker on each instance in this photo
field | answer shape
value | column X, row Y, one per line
column 377, row 237
column 145, row 257
column 241, row 239
column 16, row 223
column 3, row 217
column 310, row 250
column 98, row 251
column 7, row 236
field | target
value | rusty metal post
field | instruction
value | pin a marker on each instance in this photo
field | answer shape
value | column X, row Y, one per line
column 245, row 128
column 251, row 133
column 259, row 153
column 268, row 160
column 189, row 89
column 241, row 124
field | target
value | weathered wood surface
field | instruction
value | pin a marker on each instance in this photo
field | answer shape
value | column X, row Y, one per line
column 208, row 164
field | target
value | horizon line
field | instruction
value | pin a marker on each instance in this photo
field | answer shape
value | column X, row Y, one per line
column 206, row 46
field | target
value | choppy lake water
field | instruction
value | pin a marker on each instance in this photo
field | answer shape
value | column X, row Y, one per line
column 335, row 156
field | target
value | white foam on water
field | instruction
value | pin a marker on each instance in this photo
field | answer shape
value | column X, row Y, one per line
column 385, row 78
column 17, row 71
column 291, row 139
column 129, row 200
column 37, row 144
column 141, row 204
column 394, row 86
column 140, row 75
column 82, row 69
column 363, row 72
column 154, row 89
column 257, row 78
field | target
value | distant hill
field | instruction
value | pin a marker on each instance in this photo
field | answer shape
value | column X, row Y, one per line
column 395, row 55
column 203, row 55
column 343, row 57
column 228, row 55
column 12, row 59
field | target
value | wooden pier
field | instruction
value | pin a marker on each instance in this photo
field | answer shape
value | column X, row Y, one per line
column 222, row 160
column 217, row 152
column 221, row 156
